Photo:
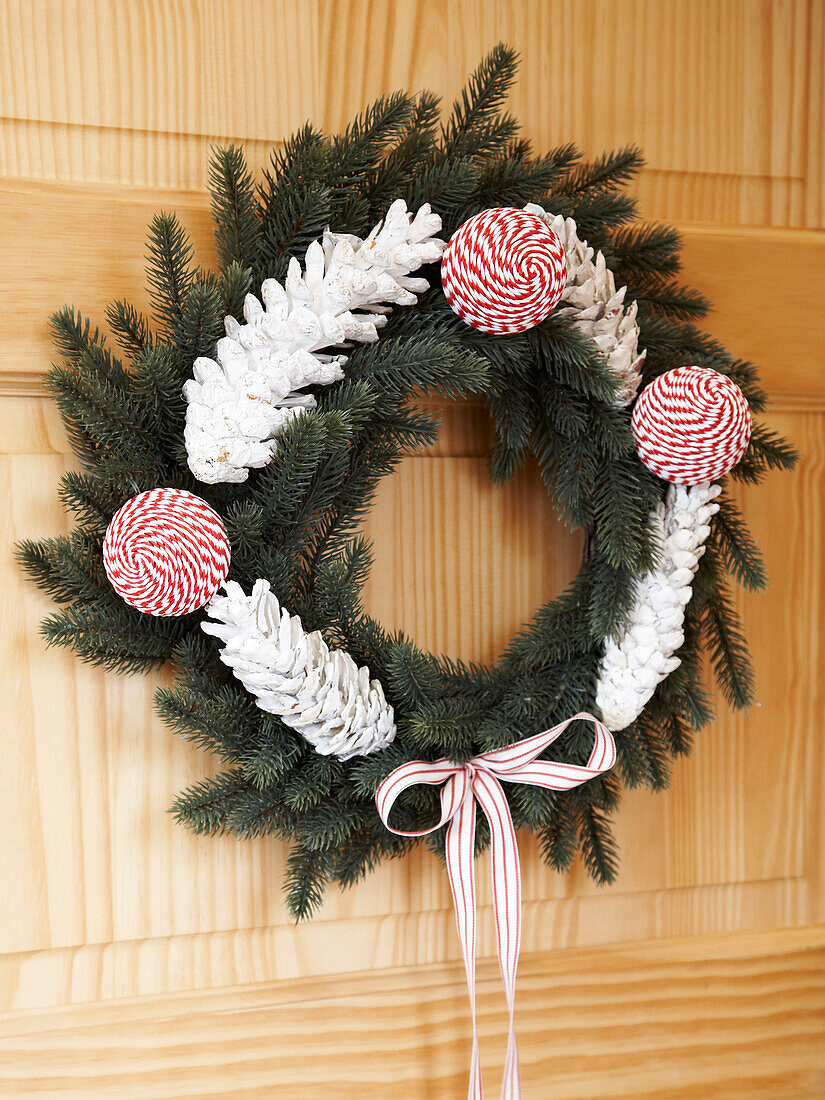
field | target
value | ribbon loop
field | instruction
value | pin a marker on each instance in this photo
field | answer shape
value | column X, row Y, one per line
column 479, row 781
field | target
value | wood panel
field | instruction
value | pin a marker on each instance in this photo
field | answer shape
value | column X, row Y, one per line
column 138, row 961
column 733, row 1017
column 723, row 95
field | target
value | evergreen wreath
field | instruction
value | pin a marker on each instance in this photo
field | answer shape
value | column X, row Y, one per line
column 293, row 511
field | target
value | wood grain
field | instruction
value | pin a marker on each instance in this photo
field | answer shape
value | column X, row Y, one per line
column 734, row 1017
column 139, row 961
column 107, row 91
column 232, row 68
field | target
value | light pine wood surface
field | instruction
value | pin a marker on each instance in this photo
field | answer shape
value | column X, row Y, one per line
column 732, row 1016
column 138, row 961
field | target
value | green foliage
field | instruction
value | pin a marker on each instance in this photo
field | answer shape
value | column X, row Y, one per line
column 551, row 400
column 767, row 451
column 728, row 649
column 657, row 297
column 559, row 837
column 69, row 567
column 738, row 550
column 131, row 328
column 477, row 128
column 598, row 848
column 235, row 209
column 609, row 172
column 307, row 873
column 206, row 805
column 108, row 633
column 355, row 155
column 169, row 270
column 646, row 252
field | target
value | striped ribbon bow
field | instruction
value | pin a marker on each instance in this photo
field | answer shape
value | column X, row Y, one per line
column 478, row 781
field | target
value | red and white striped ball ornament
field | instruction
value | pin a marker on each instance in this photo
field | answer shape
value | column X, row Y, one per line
column 166, row 552
column 691, row 425
column 503, row 271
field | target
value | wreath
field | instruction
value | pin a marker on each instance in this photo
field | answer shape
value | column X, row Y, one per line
column 240, row 436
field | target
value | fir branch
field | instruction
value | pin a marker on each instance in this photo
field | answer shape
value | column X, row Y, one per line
column 92, row 500
column 157, row 386
column 643, row 753
column 562, row 351
column 328, row 825
column 222, row 721
column 401, row 366
column 68, row 567
column 448, row 186
column 642, row 250
column 475, row 126
column 611, row 596
column 73, row 334
column 738, row 550
column 446, row 725
column 131, row 328
column 396, row 172
column 235, row 211
column 103, row 420
column 204, row 807
column 307, row 873
column 515, row 422
column 559, row 631
column 559, row 840
column 283, row 489
column 678, row 734
column 201, row 321
column 663, row 297
column 609, row 172
column 236, row 284
column 598, row 213
column 766, row 451
column 296, row 201
column 260, row 814
column 169, row 271
column 622, row 502
column 515, row 178
column 414, row 680
column 355, row 154
column 728, row 649
column 117, row 639
column 278, row 752
column 364, row 849
column 746, row 376
column 598, row 847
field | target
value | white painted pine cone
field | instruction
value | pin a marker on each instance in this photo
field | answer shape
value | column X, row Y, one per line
column 238, row 403
column 596, row 306
column 320, row 693
column 633, row 666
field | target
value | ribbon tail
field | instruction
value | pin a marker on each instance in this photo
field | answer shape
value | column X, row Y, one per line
column 461, row 870
column 506, row 908
column 511, row 1082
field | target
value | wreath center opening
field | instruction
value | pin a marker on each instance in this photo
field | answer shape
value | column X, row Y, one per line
column 461, row 562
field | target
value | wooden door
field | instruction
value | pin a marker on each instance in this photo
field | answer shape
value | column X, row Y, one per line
column 137, row 961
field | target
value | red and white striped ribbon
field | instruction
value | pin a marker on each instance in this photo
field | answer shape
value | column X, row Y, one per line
column 479, row 781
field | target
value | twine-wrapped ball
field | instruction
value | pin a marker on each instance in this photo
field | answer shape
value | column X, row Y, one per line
column 503, row 271
column 691, row 425
column 166, row 552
